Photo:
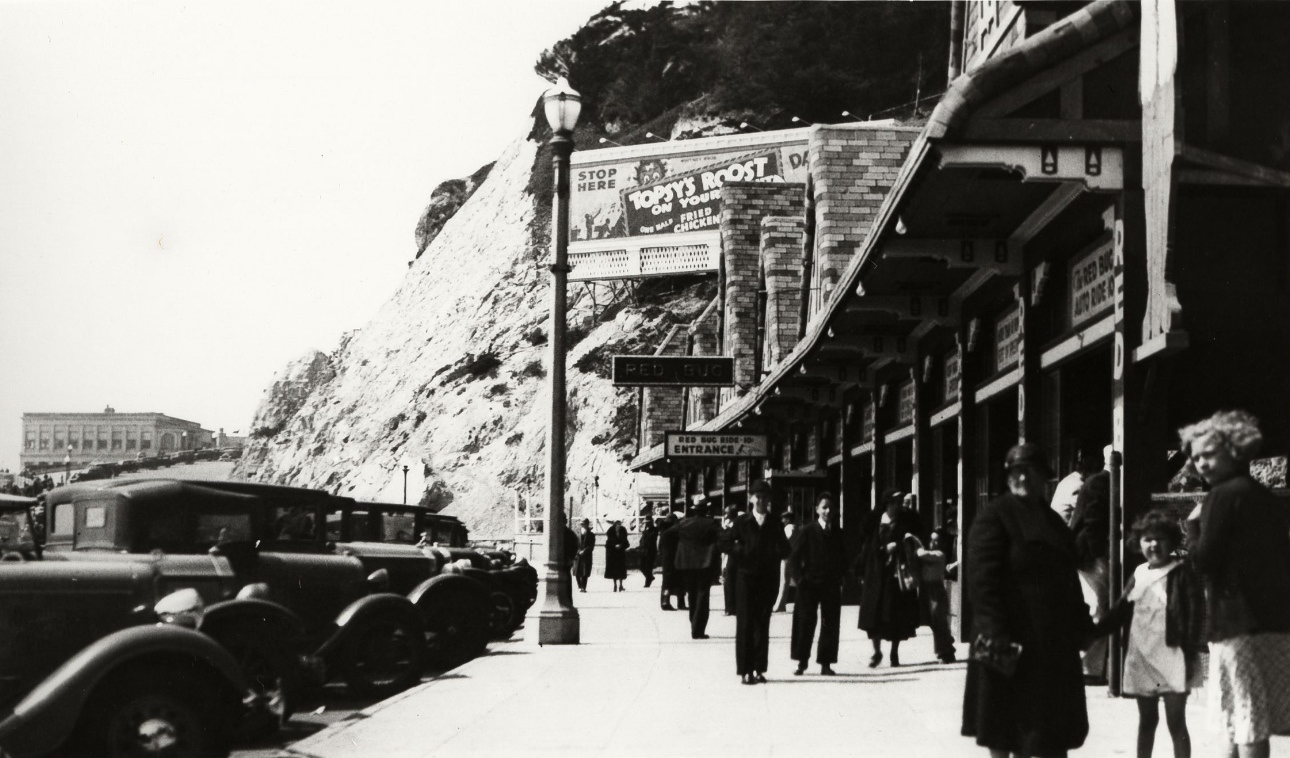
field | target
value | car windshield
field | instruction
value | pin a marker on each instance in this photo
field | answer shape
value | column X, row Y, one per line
column 216, row 528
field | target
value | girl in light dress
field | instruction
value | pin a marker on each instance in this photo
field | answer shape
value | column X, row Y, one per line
column 1164, row 604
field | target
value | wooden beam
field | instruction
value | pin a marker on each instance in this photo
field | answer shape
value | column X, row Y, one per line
column 1248, row 169
column 1052, row 78
column 1099, row 167
column 1063, row 196
column 1054, row 130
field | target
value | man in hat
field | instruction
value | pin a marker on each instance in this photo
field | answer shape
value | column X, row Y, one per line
column 667, row 540
column 757, row 540
column 696, row 551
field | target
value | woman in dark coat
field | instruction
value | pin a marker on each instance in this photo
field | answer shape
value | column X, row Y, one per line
column 1024, row 588
column 616, row 555
column 887, row 612
column 586, row 548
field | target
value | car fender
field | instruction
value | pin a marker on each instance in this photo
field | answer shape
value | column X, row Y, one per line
column 42, row 720
column 239, row 611
column 432, row 586
column 381, row 603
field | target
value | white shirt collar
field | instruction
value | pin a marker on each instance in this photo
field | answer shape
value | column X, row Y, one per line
column 761, row 517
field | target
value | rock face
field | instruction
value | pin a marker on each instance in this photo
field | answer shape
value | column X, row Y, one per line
column 448, row 378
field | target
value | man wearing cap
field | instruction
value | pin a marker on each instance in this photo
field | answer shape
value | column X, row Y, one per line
column 818, row 559
column 757, row 540
column 696, row 551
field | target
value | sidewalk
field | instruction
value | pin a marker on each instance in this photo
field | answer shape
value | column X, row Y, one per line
column 639, row 686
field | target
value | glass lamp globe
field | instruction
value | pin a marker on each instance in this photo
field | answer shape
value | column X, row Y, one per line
column 563, row 106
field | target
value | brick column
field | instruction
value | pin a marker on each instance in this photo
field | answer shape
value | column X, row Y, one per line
column 781, row 261
column 662, row 407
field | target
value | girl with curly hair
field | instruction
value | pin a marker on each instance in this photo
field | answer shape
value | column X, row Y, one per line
column 1240, row 545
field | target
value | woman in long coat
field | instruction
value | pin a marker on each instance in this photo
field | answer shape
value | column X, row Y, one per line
column 1024, row 588
column 586, row 548
column 616, row 555
column 887, row 612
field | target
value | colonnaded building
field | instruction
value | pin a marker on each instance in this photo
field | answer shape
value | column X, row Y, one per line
column 1085, row 246
column 49, row 439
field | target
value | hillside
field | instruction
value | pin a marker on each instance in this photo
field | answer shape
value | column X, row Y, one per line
column 447, row 377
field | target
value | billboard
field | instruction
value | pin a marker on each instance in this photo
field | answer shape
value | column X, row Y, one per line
column 672, row 187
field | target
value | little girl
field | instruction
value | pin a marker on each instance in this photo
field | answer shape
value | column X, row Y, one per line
column 1166, row 634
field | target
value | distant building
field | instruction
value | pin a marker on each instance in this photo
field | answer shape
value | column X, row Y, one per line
column 50, row 439
column 223, row 440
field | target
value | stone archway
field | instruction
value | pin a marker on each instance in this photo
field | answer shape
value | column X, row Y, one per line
column 167, row 442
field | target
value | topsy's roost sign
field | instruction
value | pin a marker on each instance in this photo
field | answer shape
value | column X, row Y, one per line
column 692, row 202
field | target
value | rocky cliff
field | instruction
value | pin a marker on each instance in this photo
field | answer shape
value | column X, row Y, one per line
column 448, row 377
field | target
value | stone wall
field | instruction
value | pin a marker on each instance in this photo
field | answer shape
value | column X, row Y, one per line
column 853, row 167
column 781, row 262
column 743, row 205
column 662, row 408
column 705, row 335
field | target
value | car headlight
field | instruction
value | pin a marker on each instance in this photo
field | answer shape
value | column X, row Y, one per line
column 181, row 608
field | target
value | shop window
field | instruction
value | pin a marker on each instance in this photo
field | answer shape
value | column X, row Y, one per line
column 30, row 443
column 60, row 441
column 103, row 440
column 117, row 440
column 44, row 440
column 145, row 441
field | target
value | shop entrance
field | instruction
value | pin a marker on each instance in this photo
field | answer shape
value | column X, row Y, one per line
column 996, row 433
column 898, row 466
column 1079, row 412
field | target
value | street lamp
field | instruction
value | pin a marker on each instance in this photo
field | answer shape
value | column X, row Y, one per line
column 554, row 617
column 405, row 484
column 67, row 463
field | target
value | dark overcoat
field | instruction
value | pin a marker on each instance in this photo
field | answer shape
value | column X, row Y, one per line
column 616, row 552
column 586, row 548
column 1024, row 587
column 886, row 612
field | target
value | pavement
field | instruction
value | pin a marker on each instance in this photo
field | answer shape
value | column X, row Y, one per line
column 637, row 685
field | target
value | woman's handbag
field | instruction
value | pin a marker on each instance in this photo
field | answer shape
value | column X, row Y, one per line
column 906, row 579
column 998, row 654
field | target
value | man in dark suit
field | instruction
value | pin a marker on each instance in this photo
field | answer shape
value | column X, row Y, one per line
column 1091, row 525
column 757, row 540
column 696, row 551
column 667, row 539
column 818, row 560
column 649, row 549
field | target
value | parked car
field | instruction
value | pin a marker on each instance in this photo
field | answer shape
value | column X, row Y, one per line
column 97, row 658
column 442, row 619
column 17, row 530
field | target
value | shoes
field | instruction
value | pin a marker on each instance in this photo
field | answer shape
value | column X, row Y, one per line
column 699, row 636
column 874, row 660
column 746, row 679
column 947, row 658
column 667, row 607
column 895, row 660
column 801, row 669
column 760, row 677
column 582, row 590
column 826, row 670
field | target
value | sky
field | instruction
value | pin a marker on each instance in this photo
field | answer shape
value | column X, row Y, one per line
column 194, row 194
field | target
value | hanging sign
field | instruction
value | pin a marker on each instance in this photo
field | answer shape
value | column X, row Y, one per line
column 715, row 445
column 1092, row 282
column 906, row 409
column 673, row 371
column 1007, row 339
column 953, row 375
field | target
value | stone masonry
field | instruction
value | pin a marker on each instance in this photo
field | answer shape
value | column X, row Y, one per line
column 743, row 205
column 704, row 333
column 662, row 408
column 781, row 262
column 853, row 167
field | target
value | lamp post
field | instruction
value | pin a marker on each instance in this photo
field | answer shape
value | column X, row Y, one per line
column 405, row 484
column 67, row 463
column 554, row 617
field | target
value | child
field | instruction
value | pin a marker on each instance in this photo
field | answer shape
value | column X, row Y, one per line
column 1166, row 633
column 936, row 603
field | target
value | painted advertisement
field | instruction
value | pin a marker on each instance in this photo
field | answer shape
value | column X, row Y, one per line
column 692, row 202
column 626, row 192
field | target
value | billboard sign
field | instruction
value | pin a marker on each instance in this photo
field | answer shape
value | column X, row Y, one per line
column 715, row 445
column 623, row 192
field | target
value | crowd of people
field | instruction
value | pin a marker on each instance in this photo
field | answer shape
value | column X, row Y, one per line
column 1209, row 603
column 32, row 487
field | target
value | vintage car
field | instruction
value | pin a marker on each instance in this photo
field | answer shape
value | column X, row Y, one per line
column 17, row 532
column 277, row 543
column 100, row 658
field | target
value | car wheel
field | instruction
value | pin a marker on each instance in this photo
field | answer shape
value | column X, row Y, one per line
column 457, row 625
column 270, row 670
column 384, row 655
column 151, row 713
column 501, row 613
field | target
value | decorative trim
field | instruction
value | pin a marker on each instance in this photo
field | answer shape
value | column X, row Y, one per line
column 1074, row 344
column 904, row 432
column 835, row 460
column 992, row 388
column 862, row 449
column 947, row 413
column 1162, row 345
